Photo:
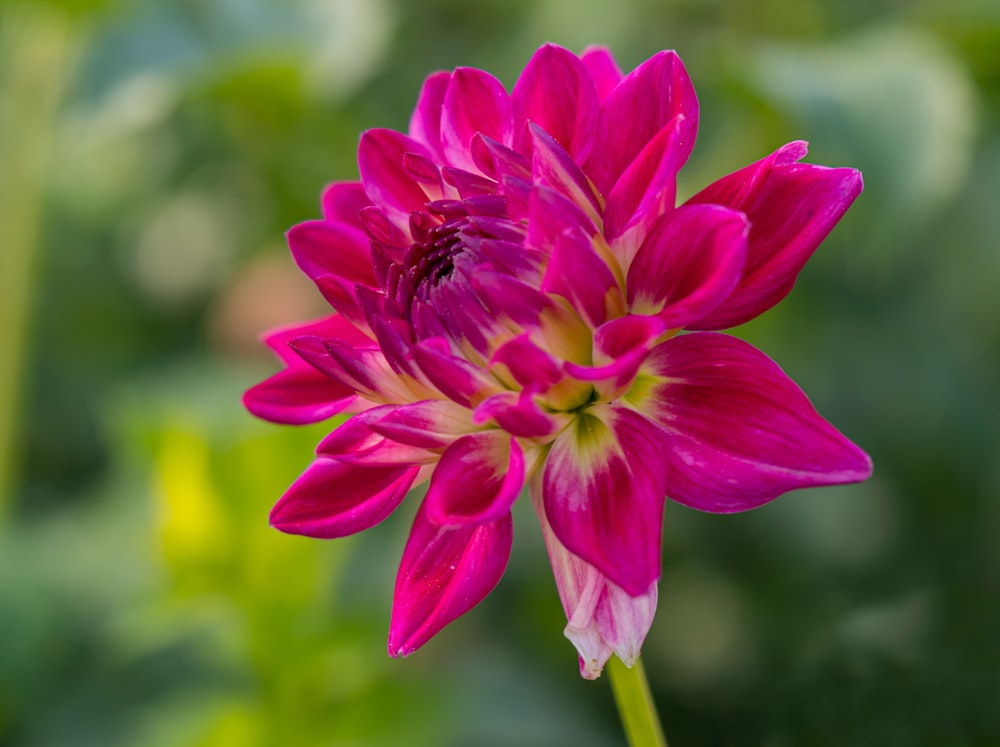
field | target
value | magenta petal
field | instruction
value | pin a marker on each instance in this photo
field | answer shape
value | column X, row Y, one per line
column 297, row 396
column 689, row 264
column 579, row 275
column 445, row 572
column 529, row 364
column 380, row 159
column 553, row 167
column 455, row 377
column 645, row 192
column 475, row 102
column 620, row 347
column 342, row 201
column 477, row 480
column 430, row 424
column 518, row 414
column 603, row 485
column 791, row 207
column 335, row 499
column 425, row 124
column 602, row 68
column 330, row 248
column 635, row 111
column 557, row 93
column 357, row 442
column 301, row 393
column 741, row 431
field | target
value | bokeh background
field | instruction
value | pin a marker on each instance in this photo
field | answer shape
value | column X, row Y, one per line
column 152, row 153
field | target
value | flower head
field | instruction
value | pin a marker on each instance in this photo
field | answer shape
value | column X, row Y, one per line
column 518, row 301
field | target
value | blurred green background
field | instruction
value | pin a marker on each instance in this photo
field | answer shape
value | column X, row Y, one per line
column 152, row 153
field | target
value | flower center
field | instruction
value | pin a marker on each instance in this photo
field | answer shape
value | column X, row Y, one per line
column 432, row 260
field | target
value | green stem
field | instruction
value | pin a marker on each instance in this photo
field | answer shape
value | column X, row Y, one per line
column 635, row 704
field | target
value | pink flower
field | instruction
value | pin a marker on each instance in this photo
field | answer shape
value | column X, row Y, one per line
column 510, row 281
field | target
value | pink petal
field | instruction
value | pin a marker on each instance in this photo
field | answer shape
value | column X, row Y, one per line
column 602, row 68
column 300, row 393
column 689, row 264
column 430, row 424
column 334, row 498
column 579, row 275
column 518, row 414
column 553, row 167
column 601, row 616
column 477, row 480
column 645, row 192
column 455, row 377
column 556, row 93
column 791, row 207
column 620, row 347
column 330, row 248
column 380, row 160
column 635, row 111
column 425, row 124
column 342, row 201
column 741, row 432
column 357, row 442
column 445, row 572
column 528, row 364
column 475, row 102
column 603, row 485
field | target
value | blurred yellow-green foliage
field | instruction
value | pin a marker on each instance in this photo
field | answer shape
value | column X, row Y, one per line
column 152, row 152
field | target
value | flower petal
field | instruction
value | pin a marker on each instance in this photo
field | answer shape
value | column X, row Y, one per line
column 518, row 414
column 620, row 347
column 477, row 480
column 334, row 498
column 455, row 377
column 357, row 442
column 425, row 123
column 741, row 431
column 342, row 201
column 475, row 102
column 602, row 68
column 430, row 424
column 380, row 160
column 689, row 264
column 791, row 207
column 635, row 111
column 556, row 93
column 601, row 616
column 445, row 572
column 323, row 247
column 579, row 275
column 603, row 484
column 552, row 166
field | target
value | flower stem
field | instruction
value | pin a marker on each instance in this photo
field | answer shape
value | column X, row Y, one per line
column 635, row 704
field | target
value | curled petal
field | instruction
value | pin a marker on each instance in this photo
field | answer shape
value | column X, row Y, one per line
column 601, row 616
column 555, row 168
column 380, row 160
column 557, row 93
column 689, row 264
column 791, row 208
column 518, row 414
column 602, row 68
column 528, row 364
column 430, row 424
column 579, row 275
column 475, row 102
column 740, row 431
column 620, row 347
column 445, row 572
column 645, row 192
column 477, row 480
column 333, row 498
column 357, row 442
column 455, row 377
column 322, row 247
column 301, row 393
column 425, row 124
column 342, row 201
column 603, row 487
column 635, row 111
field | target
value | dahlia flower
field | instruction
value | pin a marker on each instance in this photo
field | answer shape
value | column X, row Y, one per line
column 518, row 301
